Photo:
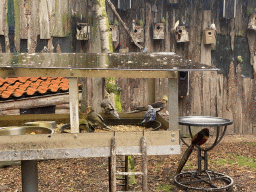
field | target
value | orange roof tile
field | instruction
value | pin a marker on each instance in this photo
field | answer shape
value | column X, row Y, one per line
column 29, row 86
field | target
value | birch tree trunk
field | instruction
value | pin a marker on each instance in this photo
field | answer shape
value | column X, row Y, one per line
column 106, row 47
column 101, row 16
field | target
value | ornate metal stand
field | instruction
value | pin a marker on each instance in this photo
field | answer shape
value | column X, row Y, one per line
column 204, row 179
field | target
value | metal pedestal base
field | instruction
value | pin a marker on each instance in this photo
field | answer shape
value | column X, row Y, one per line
column 204, row 181
column 29, row 174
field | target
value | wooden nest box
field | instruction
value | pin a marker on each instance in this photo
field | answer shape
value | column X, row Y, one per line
column 138, row 33
column 158, row 31
column 181, row 34
column 252, row 22
column 82, row 31
column 209, row 36
column 114, row 32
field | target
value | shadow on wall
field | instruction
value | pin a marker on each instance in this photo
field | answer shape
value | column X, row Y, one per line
column 223, row 55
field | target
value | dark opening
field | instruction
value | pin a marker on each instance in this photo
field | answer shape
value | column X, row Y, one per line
column 39, row 110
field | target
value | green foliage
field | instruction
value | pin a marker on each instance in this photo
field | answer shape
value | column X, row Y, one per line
column 251, row 143
column 116, row 22
column 141, row 23
column 240, row 59
column 165, row 187
column 238, row 159
column 163, row 20
column 250, row 11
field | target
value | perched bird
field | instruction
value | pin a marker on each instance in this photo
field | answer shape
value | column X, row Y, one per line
column 133, row 24
column 107, row 107
column 158, row 106
column 145, row 50
column 199, row 139
column 85, row 126
column 119, row 46
column 95, row 119
column 176, row 25
column 150, row 115
column 45, row 50
column 213, row 26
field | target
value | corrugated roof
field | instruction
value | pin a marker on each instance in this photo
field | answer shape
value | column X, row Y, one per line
column 30, row 86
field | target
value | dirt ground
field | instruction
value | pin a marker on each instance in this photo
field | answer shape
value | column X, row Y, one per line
column 234, row 156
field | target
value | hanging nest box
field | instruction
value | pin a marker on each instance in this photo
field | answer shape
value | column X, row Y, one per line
column 209, row 36
column 181, row 34
column 138, row 33
column 114, row 32
column 82, row 31
column 158, row 31
column 252, row 22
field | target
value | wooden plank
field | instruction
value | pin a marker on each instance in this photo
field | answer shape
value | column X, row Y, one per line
column 227, row 111
column 213, row 94
column 2, row 17
column 206, row 59
column 239, row 98
column 197, row 96
column 74, row 103
column 24, row 25
column 220, row 95
column 173, row 104
column 33, row 30
column 44, row 20
column 17, row 7
column 55, row 146
column 62, row 16
column 247, row 99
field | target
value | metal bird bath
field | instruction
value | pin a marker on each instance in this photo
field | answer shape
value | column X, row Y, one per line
column 204, row 179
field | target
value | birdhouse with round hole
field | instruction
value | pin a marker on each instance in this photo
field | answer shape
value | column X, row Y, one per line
column 138, row 33
column 209, row 37
column 158, row 31
column 114, row 32
column 82, row 31
column 252, row 22
column 181, row 34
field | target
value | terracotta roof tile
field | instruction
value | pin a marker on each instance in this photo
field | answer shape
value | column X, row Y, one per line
column 25, row 85
column 18, row 93
column 6, row 94
column 33, row 79
column 2, row 81
column 11, row 80
column 54, row 88
column 29, row 86
column 64, row 86
column 31, row 91
column 42, row 89
column 23, row 79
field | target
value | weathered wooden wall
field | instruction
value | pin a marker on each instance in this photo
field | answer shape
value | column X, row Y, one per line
column 229, row 94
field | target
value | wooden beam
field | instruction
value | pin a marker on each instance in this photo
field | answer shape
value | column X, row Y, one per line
column 74, row 104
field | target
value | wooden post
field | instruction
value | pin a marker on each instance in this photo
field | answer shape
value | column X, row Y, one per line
column 74, row 103
column 144, row 164
column 113, row 164
column 173, row 104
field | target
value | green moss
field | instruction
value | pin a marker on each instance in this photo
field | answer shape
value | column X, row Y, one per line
column 246, row 161
column 251, row 143
column 132, row 168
